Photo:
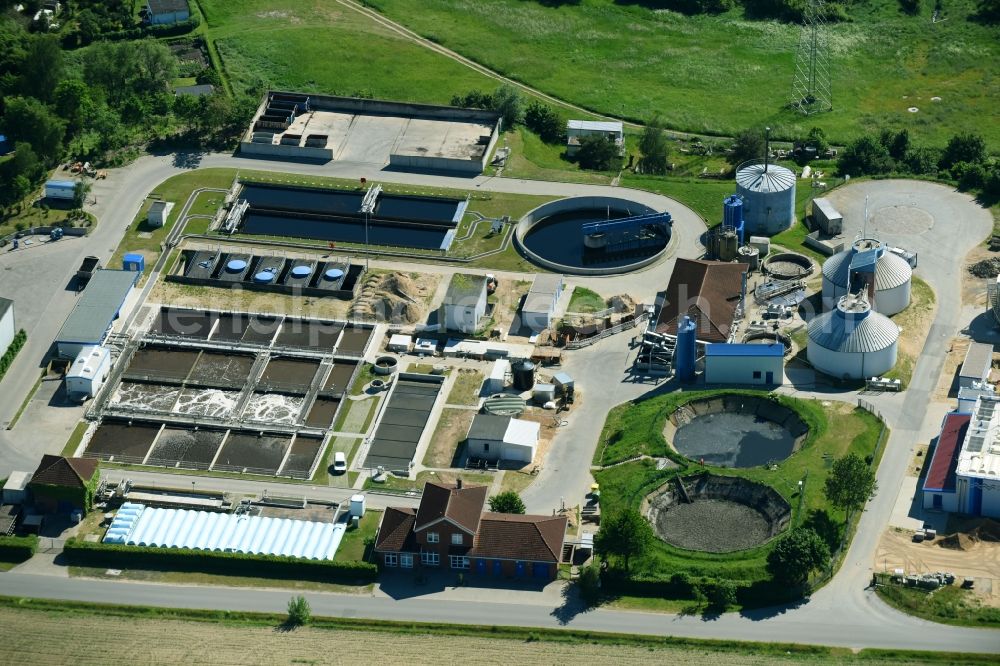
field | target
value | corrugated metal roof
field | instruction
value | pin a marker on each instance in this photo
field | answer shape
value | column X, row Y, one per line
column 139, row 525
column 874, row 332
column 595, row 125
column 978, row 361
column 488, row 426
column 827, row 208
column 97, row 307
column 754, row 178
column 891, row 270
column 941, row 473
column 723, row 349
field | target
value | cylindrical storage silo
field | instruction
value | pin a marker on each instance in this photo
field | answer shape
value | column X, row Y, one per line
column 524, row 375
column 684, row 352
column 893, row 277
column 751, row 256
column 728, row 246
column 732, row 214
column 852, row 341
column 768, row 194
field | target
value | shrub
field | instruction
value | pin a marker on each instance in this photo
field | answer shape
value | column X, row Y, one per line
column 299, row 612
column 17, row 549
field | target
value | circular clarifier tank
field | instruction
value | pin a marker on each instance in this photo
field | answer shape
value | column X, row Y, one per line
column 333, row 274
column 236, row 265
column 301, row 271
column 264, row 277
column 554, row 236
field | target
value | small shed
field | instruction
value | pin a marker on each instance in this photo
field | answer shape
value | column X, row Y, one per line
column 64, row 190
column 159, row 211
column 827, row 217
column 14, row 490
column 977, row 364
column 498, row 376
column 543, row 392
column 399, row 343
column 496, row 438
column 563, row 382
column 133, row 261
column 744, row 364
column 540, row 303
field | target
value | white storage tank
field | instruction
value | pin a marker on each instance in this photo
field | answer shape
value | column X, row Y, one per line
column 852, row 341
column 768, row 193
column 893, row 276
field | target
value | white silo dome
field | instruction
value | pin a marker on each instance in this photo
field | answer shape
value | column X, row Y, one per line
column 852, row 341
column 893, row 277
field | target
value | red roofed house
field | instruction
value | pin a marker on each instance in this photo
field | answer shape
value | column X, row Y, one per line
column 64, row 485
column 709, row 292
column 450, row 530
column 939, row 484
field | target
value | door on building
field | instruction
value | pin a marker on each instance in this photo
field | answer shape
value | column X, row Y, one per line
column 540, row 570
column 519, row 568
column 770, row 378
column 497, row 568
column 481, row 567
column 937, row 501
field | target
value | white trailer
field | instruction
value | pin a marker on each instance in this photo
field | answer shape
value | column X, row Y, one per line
column 88, row 373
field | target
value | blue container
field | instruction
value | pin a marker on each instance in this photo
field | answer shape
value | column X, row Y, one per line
column 334, row 274
column 684, row 352
column 732, row 214
column 134, row 262
column 236, row 265
column 301, row 271
column 264, row 277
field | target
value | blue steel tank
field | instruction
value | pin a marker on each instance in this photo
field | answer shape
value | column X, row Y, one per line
column 684, row 352
column 768, row 193
column 732, row 214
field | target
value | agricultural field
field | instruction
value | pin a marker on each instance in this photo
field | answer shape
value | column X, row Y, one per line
column 719, row 74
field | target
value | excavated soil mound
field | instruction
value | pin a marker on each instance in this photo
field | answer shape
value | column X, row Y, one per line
column 393, row 298
column 716, row 514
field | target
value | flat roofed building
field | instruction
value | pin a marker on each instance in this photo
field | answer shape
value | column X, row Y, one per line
column 540, row 303
column 95, row 311
column 939, row 483
column 977, row 364
column 167, row 12
column 8, row 327
column 755, row 364
column 977, row 472
column 464, row 303
column 577, row 129
column 89, row 372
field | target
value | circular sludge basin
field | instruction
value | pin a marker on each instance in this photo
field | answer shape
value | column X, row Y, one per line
column 385, row 365
column 553, row 236
column 788, row 266
column 716, row 514
column 735, row 431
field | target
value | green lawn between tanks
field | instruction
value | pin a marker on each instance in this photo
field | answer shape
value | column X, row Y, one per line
column 585, row 300
column 671, row 64
column 626, row 485
column 50, row 611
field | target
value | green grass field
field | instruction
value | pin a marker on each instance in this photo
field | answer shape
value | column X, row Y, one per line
column 719, row 74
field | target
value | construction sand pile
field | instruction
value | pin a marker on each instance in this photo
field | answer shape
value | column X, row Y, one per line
column 986, row 530
column 395, row 298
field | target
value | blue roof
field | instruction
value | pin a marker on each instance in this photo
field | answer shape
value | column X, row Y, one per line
column 60, row 183
column 725, row 349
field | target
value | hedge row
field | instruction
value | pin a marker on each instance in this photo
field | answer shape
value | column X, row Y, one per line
column 15, row 346
column 179, row 28
column 119, row 556
column 17, row 549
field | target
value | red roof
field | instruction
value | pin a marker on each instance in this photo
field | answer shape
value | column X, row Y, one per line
column 519, row 537
column 396, row 531
column 460, row 505
column 708, row 291
column 941, row 475
column 60, row 471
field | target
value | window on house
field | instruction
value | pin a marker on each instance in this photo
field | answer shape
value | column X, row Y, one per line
column 486, row 447
column 406, row 560
column 390, row 559
column 433, row 537
column 429, row 558
column 456, row 539
column 756, row 374
column 459, row 562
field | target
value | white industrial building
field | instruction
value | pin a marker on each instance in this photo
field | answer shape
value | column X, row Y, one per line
column 977, row 365
column 8, row 329
column 850, row 270
column 852, row 341
column 502, row 438
column 399, row 342
column 756, row 364
column 88, row 373
column 95, row 312
column 540, row 303
column 158, row 213
column 964, row 476
column 577, row 129
column 464, row 303
column 827, row 217
column 15, row 488
column 498, row 377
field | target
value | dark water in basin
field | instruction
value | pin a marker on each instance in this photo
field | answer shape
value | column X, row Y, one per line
column 729, row 439
column 559, row 238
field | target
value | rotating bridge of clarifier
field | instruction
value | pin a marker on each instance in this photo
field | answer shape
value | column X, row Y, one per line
column 625, row 233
